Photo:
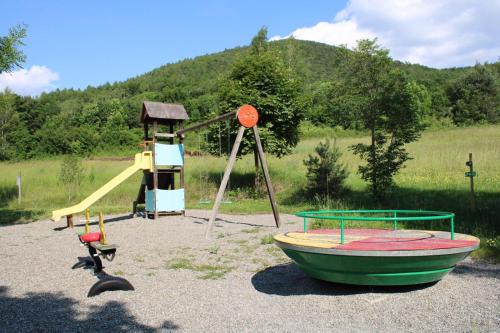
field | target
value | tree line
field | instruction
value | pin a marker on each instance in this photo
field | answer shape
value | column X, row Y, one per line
column 313, row 81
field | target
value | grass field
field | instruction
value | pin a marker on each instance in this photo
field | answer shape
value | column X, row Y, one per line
column 433, row 180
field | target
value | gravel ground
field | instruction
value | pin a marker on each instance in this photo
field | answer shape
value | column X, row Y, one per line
column 235, row 283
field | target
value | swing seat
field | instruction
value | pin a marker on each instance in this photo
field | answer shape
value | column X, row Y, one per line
column 91, row 237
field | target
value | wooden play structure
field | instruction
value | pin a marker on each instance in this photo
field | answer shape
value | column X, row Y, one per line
column 162, row 186
column 158, row 187
column 162, row 163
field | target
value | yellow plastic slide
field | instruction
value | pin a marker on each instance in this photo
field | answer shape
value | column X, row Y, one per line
column 143, row 161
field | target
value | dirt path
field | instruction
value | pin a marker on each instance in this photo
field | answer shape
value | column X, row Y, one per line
column 238, row 282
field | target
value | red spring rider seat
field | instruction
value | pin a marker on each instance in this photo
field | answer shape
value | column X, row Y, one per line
column 91, row 237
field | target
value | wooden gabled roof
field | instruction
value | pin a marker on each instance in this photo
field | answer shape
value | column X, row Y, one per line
column 162, row 112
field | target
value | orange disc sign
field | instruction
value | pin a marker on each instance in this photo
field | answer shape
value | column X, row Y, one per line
column 248, row 116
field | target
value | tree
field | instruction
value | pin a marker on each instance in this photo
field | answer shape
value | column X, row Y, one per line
column 475, row 97
column 116, row 132
column 387, row 104
column 71, row 175
column 261, row 79
column 10, row 55
column 325, row 173
column 14, row 137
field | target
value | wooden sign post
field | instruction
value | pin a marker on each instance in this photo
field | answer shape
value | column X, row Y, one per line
column 18, row 183
column 471, row 174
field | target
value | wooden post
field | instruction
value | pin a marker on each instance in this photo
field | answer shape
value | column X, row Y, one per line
column 181, row 174
column 267, row 178
column 171, row 131
column 155, row 170
column 224, row 181
column 69, row 221
column 19, row 185
column 145, row 131
column 472, row 196
column 256, row 163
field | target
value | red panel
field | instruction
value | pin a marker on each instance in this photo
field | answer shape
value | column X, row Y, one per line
column 405, row 244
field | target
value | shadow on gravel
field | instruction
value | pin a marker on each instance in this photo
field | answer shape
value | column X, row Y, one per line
column 48, row 312
column 289, row 280
column 109, row 220
column 205, row 219
column 10, row 217
column 476, row 270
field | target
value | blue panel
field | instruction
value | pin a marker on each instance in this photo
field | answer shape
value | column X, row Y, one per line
column 150, row 207
column 170, row 200
column 169, row 154
column 166, row 200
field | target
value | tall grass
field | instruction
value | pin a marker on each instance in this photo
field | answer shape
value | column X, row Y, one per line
column 433, row 180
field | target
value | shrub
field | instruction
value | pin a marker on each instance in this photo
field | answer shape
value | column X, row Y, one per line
column 325, row 174
column 71, row 174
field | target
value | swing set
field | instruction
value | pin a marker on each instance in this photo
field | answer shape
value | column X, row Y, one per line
column 247, row 117
column 204, row 174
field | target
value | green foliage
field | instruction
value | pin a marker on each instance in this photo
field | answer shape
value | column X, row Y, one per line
column 387, row 104
column 262, row 80
column 475, row 97
column 13, row 134
column 105, row 118
column 266, row 240
column 325, row 174
column 10, row 54
column 71, row 175
column 208, row 271
column 488, row 250
column 432, row 181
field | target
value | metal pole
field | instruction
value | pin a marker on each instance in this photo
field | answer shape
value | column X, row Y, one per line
column 395, row 221
column 305, row 224
column 452, row 227
column 341, row 231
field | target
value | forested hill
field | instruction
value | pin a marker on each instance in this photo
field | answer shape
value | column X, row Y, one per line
column 193, row 82
column 80, row 121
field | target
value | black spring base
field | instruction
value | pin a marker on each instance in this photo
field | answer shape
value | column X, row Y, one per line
column 109, row 283
column 106, row 282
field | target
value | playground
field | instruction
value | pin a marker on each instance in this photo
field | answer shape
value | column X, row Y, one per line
column 163, row 267
column 238, row 281
column 159, row 174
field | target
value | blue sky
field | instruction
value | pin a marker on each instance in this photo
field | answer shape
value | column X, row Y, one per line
column 81, row 43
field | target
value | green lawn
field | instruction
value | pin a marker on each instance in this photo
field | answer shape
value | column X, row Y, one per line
column 433, row 180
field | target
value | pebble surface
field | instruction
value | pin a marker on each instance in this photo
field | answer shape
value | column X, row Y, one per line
column 236, row 282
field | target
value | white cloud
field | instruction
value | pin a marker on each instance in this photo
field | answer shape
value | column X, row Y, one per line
column 31, row 81
column 439, row 33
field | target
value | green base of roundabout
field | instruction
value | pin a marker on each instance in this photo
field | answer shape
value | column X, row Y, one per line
column 375, row 271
